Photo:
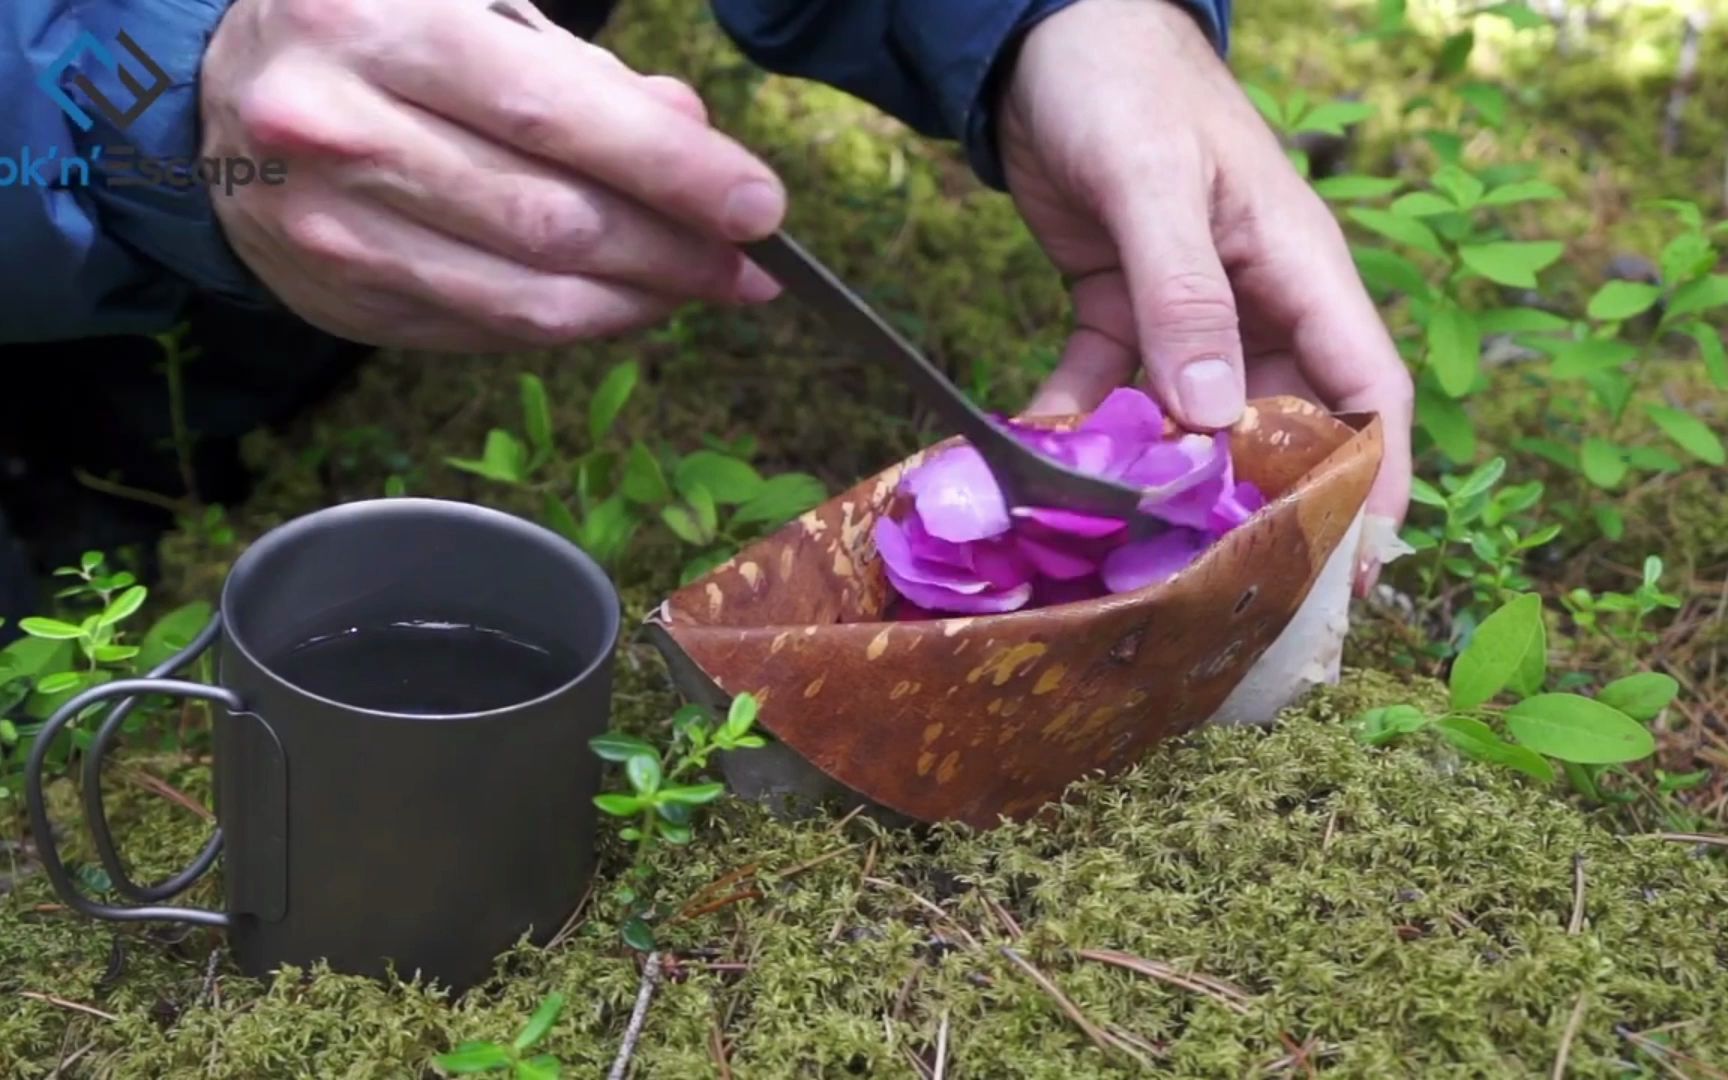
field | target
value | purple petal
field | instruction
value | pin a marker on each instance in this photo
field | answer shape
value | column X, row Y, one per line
column 1055, row 560
column 935, row 598
column 1148, row 562
column 1069, row 521
column 1236, row 507
column 903, row 562
column 1000, row 562
column 1127, row 416
column 933, row 549
column 957, row 498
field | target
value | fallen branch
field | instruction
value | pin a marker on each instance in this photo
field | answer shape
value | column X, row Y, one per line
column 1577, row 923
column 1222, row 992
column 638, row 1016
column 927, row 905
column 1691, row 838
column 62, row 1003
column 717, row 1047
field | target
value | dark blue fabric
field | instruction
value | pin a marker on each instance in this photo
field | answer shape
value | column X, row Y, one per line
column 93, row 260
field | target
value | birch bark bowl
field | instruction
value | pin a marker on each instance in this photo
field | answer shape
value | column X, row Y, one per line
column 985, row 718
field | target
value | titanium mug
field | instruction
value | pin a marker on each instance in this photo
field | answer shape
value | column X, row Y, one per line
column 373, row 839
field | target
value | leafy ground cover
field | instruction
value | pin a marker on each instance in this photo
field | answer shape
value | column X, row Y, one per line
column 1383, row 885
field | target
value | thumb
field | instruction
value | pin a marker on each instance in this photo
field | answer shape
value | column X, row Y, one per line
column 1184, row 309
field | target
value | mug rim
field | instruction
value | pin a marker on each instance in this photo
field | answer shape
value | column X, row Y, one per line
column 287, row 533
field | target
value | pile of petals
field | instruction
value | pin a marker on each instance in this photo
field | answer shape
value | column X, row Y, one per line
column 960, row 550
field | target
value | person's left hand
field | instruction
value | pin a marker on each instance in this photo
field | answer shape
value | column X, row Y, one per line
column 1193, row 249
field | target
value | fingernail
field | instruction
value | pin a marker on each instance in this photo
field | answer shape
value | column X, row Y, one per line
column 753, row 209
column 1210, row 393
column 755, row 286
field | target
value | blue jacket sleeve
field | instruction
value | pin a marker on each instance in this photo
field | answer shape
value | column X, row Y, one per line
column 930, row 63
column 85, row 256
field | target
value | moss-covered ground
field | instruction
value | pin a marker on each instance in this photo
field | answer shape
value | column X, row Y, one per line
column 1363, row 912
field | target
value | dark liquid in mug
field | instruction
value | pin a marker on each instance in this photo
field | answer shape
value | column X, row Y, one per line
column 424, row 668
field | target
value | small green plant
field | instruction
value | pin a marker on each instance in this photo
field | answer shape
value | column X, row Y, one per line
column 662, row 798
column 1620, row 617
column 485, row 1057
column 59, row 658
column 1507, row 656
column 1296, row 115
column 712, row 499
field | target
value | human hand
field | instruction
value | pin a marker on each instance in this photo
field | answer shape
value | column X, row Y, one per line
column 1194, row 250
column 455, row 181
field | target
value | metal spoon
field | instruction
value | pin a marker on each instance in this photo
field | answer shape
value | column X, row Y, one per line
column 1026, row 477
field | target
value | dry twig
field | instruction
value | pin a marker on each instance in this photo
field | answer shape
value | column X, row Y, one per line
column 1573, row 1023
column 638, row 1016
column 927, row 905
column 1692, row 838
column 1577, row 923
column 62, row 1003
column 1222, row 992
column 1100, row 1038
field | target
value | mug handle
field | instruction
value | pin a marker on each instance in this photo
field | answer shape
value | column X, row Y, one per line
column 46, row 847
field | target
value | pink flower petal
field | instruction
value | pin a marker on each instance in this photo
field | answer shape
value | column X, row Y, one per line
column 1055, row 560
column 957, row 498
column 1236, row 507
column 1069, row 521
column 1149, row 562
column 1130, row 417
column 999, row 562
column 900, row 558
column 935, row 598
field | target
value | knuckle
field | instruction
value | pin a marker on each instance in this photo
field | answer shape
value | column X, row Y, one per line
column 321, row 237
column 542, row 318
column 529, row 119
column 1195, row 302
column 551, row 230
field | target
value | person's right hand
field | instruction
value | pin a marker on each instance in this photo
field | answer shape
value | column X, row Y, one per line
column 456, row 181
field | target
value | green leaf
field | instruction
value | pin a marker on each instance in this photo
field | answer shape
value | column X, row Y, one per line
column 1356, row 186
column 1511, row 263
column 750, row 742
column 1477, row 740
column 638, row 935
column 124, row 606
column 1500, row 654
column 28, row 657
column 90, row 560
column 694, row 794
column 620, row 805
column 1689, row 433
column 1700, row 295
column 540, row 1023
column 674, row 834
column 1521, row 191
column 1580, row 359
column 1419, row 204
column 8, row 732
column 729, row 480
column 683, row 524
column 1519, row 320
column 1619, row 300
column 606, row 531
column 1687, row 257
column 702, row 564
column 1389, row 272
column 113, row 654
column 544, row 1067
column 1376, row 727
column 1454, row 349
column 782, row 498
column 741, row 715
column 1651, row 459
column 1480, row 480
column 1462, row 188
column 1402, row 230
column 1610, row 520
column 1579, row 730
column 1427, row 494
column 1490, row 101
column 643, row 771
column 617, row 746
column 60, row 682
column 1710, row 350
column 644, row 481
column 1686, row 210
column 558, row 516
column 504, row 459
column 536, row 414
column 1455, row 53
column 1604, row 463
column 53, row 629
column 1448, row 424
column 1520, row 15
column 1642, row 696
column 1332, row 117
column 610, row 398
column 474, row 1057
column 702, row 505
column 1266, row 104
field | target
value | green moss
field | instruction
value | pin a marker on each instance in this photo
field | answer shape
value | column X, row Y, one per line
column 1404, row 910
